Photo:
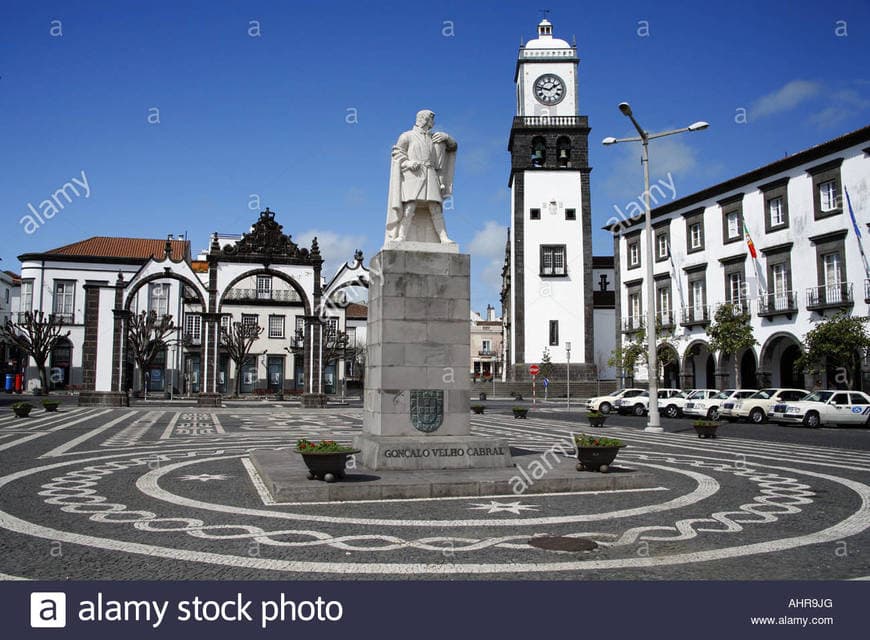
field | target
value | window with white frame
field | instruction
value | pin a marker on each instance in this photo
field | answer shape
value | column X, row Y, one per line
column 250, row 320
column 486, row 346
column 828, row 197
column 779, row 284
column 64, row 298
column 193, row 327
column 663, row 304
column 158, row 298
column 698, row 294
column 26, row 295
column 634, row 309
column 554, row 333
column 264, row 287
column 732, row 222
column 775, row 211
column 330, row 329
column 832, row 269
column 634, row 253
column 662, row 246
column 696, row 235
column 735, row 289
column 276, row 326
column 225, row 322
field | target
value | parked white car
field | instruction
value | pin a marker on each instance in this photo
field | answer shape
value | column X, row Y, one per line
column 755, row 407
column 673, row 406
column 639, row 405
column 605, row 404
column 825, row 407
column 710, row 407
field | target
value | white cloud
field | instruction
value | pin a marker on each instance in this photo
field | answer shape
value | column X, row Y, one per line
column 488, row 246
column 785, row 98
column 335, row 248
column 845, row 104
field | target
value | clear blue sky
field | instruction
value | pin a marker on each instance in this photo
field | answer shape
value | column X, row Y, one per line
column 266, row 115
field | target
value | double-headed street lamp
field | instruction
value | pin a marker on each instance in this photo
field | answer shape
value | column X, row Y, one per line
column 652, row 361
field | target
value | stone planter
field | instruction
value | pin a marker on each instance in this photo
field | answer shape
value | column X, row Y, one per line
column 705, row 429
column 596, row 458
column 50, row 405
column 327, row 466
column 521, row 412
column 597, row 421
column 22, row 409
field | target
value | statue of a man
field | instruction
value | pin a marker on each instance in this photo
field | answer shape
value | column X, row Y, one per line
column 421, row 175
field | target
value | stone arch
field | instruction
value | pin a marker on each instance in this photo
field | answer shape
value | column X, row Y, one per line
column 167, row 275
column 776, row 362
column 671, row 371
column 695, row 366
column 747, row 365
column 268, row 272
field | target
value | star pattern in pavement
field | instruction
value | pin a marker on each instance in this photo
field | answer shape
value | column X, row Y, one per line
column 205, row 477
column 510, row 507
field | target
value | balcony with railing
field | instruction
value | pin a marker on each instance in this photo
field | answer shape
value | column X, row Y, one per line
column 665, row 319
column 262, row 296
column 486, row 353
column 696, row 315
column 830, row 296
column 783, row 303
column 630, row 324
column 536, row 122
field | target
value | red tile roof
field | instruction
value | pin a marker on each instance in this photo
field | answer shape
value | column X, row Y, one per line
column 132, row 248
column 358, row 311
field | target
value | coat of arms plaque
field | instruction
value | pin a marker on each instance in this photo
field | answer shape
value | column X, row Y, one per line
column 427, row 410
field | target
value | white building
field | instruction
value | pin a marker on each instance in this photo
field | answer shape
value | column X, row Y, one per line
column 258, row 278
column 808, row 263
column 10, row 288
column 547, row 295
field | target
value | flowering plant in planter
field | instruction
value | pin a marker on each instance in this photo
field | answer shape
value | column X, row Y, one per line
column 478, row 408
column 582, row 440
column 595, row 453
column 50, row 405
column 596, row 418
column 22, row 409
column 520, row 412
column 706, row 428
column 324, row 446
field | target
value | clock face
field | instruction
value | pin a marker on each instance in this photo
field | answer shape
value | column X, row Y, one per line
column 549, row 89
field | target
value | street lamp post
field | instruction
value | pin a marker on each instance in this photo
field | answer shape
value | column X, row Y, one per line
column 568, row 378
column 644, row 137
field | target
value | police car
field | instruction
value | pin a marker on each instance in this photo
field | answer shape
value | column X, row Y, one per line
column 710, row 408
column 833, row 406
column 639, row 405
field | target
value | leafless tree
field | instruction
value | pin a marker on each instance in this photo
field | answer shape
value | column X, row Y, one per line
column 147, row 336
column 36, row 336
column 237, row 341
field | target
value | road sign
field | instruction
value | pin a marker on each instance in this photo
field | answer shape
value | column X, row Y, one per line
column 546, row 382
column 534, row 370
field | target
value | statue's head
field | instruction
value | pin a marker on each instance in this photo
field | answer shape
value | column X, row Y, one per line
column 425, row 119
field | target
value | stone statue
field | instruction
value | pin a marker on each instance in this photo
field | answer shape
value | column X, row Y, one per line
column 421, row 175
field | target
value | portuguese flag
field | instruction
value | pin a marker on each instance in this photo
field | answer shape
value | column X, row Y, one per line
column 749, row 242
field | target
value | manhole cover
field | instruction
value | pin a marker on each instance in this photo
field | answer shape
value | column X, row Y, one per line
column 562, row 543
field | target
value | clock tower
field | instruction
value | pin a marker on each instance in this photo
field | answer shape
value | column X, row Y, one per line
column 547, row 296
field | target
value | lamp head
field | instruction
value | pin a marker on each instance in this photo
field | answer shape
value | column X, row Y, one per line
column 625, row 108
column 608, row 140
column 697, row 126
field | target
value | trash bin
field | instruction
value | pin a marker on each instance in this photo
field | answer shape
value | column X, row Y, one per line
column 19, row 382
column 10, row 383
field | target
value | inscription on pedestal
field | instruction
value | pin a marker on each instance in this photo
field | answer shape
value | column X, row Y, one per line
column 427, row 410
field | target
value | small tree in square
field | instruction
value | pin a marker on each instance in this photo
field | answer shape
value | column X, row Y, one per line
column 546, row 368
column 837, row 341
column 36, row 335
column 730, row 333
column 237, row 340
column 147, row 336
column 627, row 355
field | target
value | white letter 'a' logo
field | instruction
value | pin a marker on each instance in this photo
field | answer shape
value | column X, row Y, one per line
column 48, row 610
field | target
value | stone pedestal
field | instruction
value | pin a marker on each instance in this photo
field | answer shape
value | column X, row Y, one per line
column 418, row 356
column 314, row 400
column 208, row 400
column 103, row 399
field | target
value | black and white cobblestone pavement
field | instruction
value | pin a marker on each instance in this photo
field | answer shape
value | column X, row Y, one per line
column 166, row 492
